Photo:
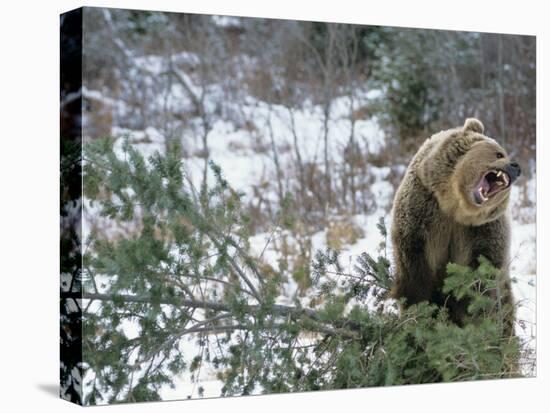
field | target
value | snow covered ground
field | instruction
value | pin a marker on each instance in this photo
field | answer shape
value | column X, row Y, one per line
column 234, row 147
column 522, row 269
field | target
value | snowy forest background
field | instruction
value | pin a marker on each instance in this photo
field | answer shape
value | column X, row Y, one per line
column 313, row 125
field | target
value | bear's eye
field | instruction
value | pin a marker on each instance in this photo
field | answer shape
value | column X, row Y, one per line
column 499, row 155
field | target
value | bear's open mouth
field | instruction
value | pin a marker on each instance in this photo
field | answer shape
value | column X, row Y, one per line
column 491, row 184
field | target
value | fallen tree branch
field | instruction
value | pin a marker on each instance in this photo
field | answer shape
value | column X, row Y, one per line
column 344, row 327
column 211, row 305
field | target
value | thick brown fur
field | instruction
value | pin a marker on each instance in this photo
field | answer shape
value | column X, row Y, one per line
column 436, row 221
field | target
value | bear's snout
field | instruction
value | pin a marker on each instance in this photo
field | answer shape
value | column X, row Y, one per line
column 513, row 170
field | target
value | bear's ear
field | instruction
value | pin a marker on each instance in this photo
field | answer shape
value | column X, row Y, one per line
column 474, row 125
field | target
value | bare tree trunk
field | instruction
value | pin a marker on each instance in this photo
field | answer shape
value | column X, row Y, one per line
column 206, row 154
column 278, row 170
column 328, row 188
column 353, row 154
column 301, row 173
column 500, row 93
column 350, row 59
column 327, row 104
column 481, row 63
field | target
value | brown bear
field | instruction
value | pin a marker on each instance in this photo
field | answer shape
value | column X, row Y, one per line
column 451, row 207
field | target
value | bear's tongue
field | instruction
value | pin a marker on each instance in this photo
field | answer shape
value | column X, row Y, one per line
column 484, row 185
column 481, row 191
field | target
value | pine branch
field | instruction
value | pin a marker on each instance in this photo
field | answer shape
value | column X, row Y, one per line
column 237, row 268
column 343, row 327
column 194, row 303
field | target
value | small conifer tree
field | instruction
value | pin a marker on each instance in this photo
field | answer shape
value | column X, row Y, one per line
column 175, row 264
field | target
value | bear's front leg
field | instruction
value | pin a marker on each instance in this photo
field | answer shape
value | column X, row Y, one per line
column 413, row 213
column 414, row 279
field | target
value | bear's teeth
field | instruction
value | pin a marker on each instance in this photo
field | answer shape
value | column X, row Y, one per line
column 482, row 195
